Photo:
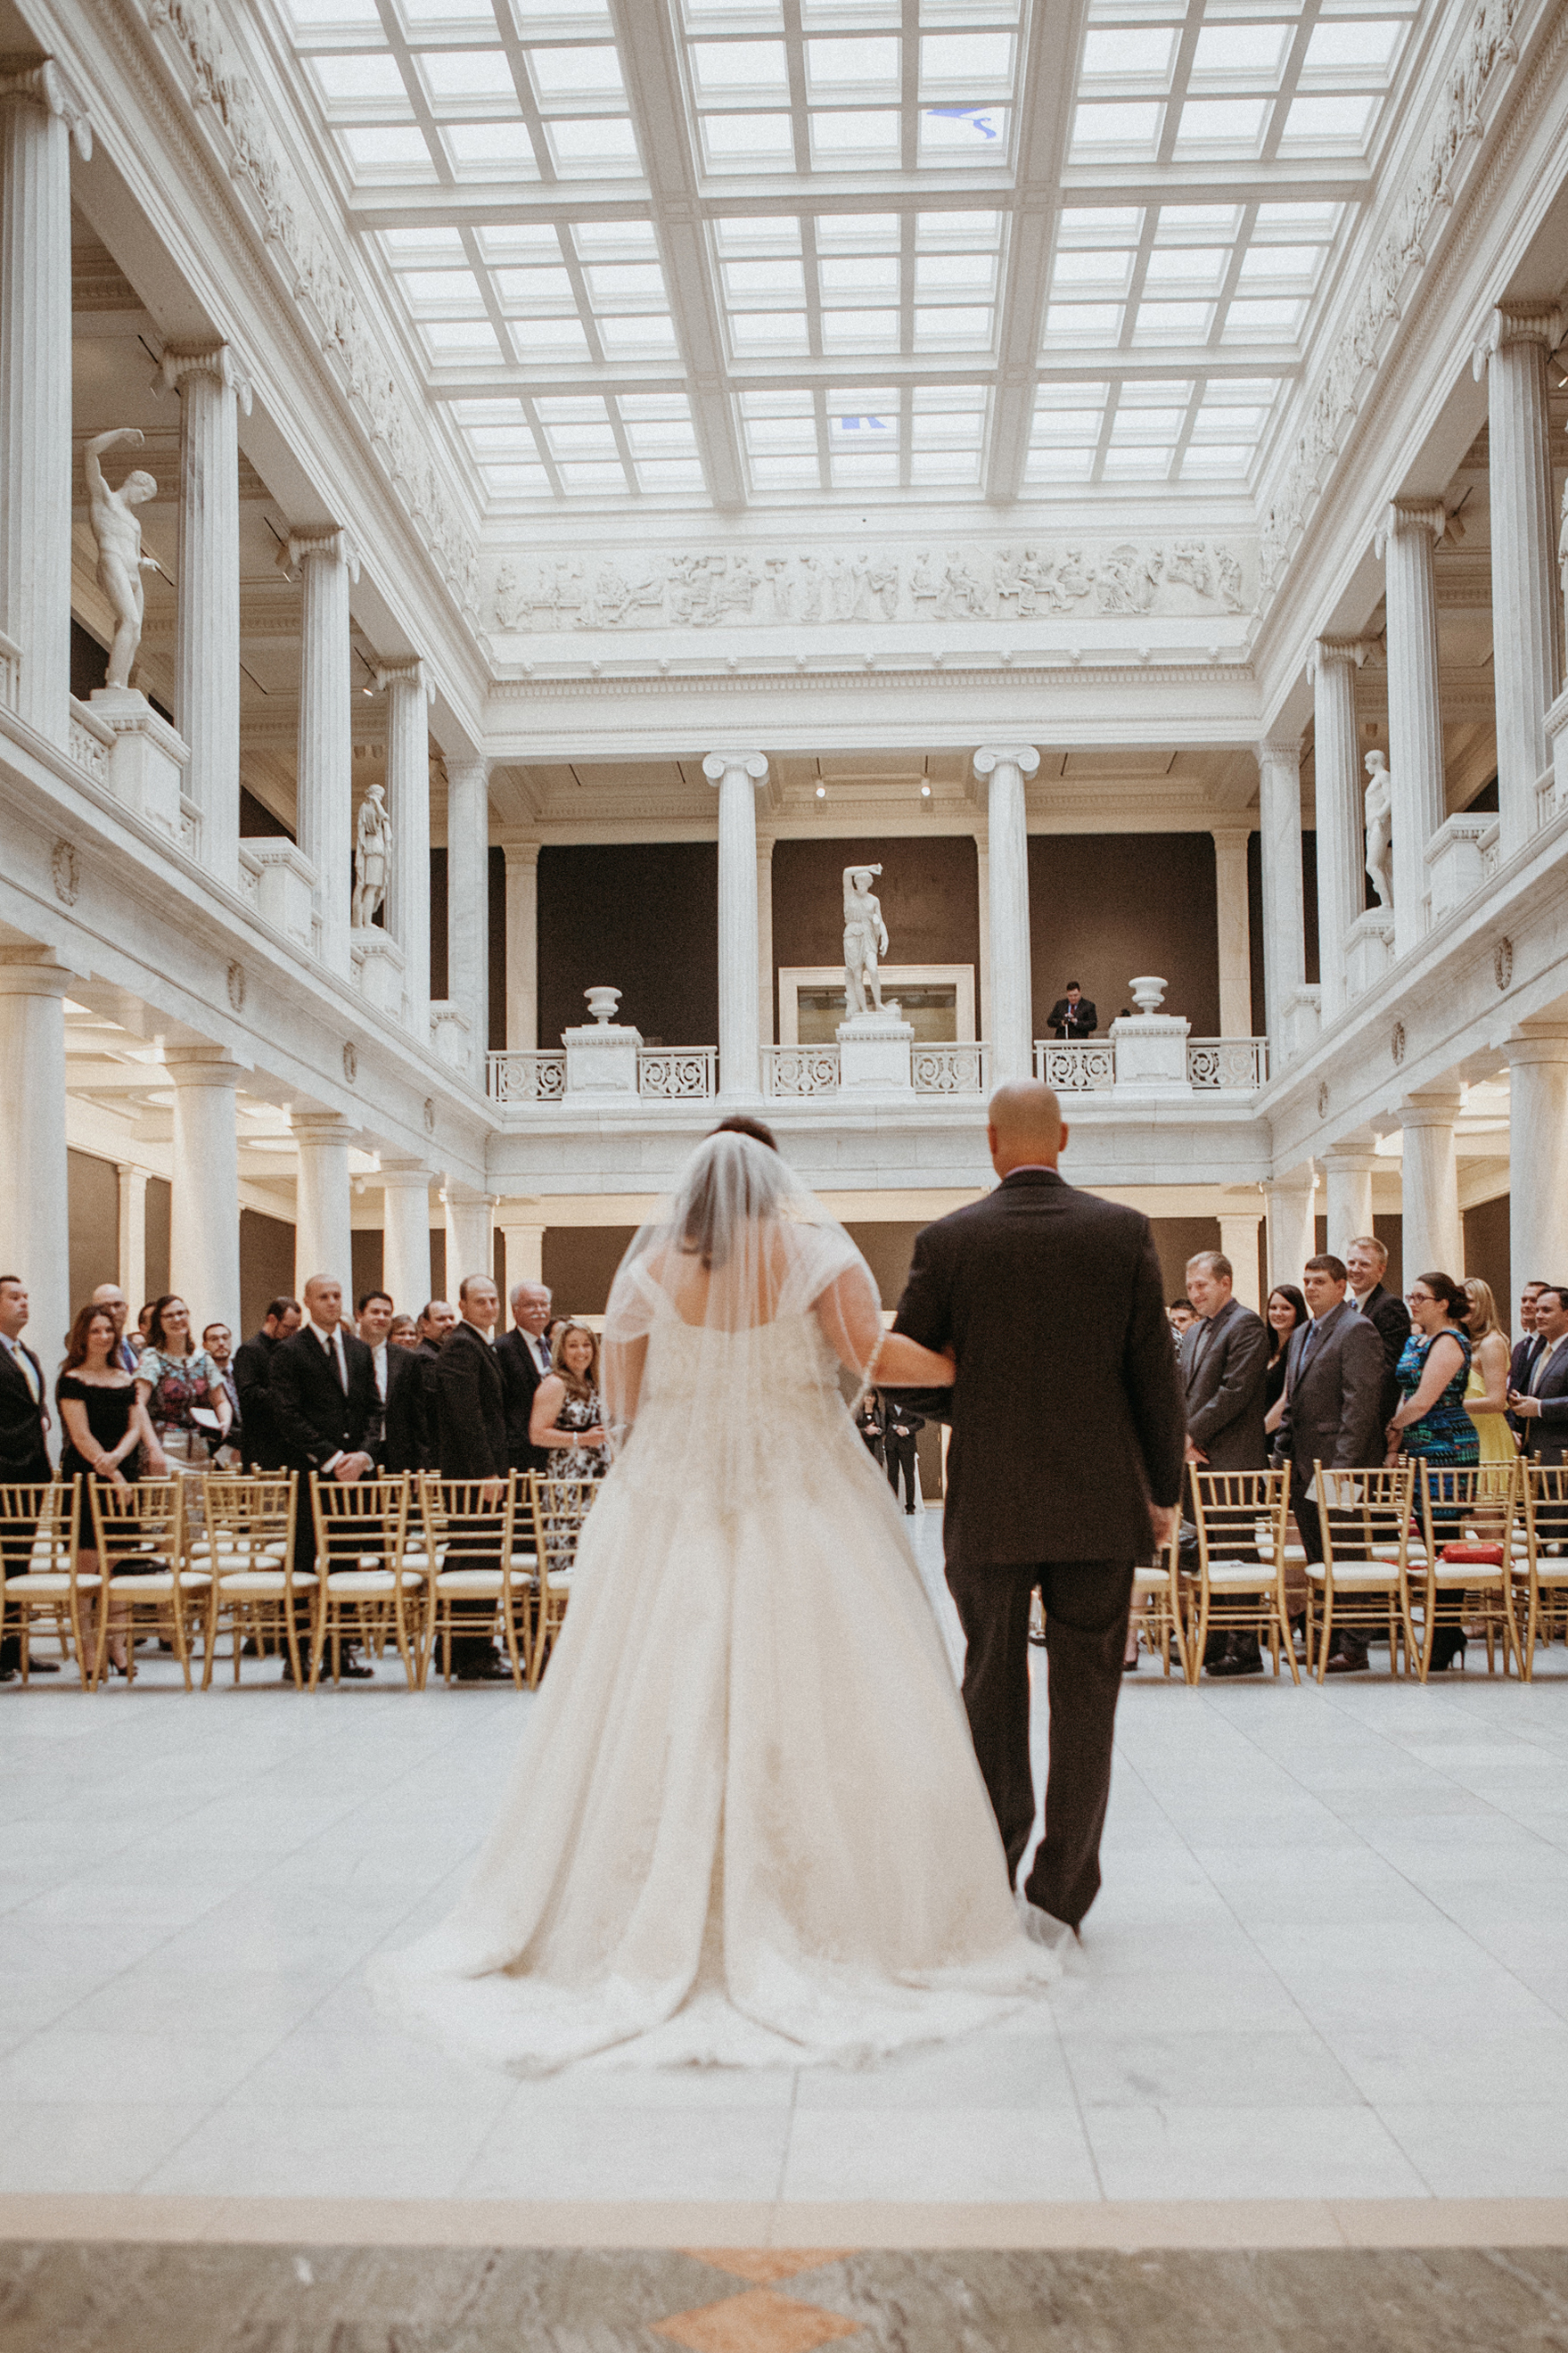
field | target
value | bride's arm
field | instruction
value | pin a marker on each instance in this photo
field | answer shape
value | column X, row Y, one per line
column 851, row 1322
column 621, row 1368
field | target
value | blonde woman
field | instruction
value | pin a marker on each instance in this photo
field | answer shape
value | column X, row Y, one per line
column 567, row 1416
column 1486, row 1394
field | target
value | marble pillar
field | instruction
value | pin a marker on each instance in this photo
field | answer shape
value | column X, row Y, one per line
column 1408, row 541
column 1292, row 1226
column 1538, row 1153
column 325, row 808
column 523, row 1235
column 738, row 774
column 470, row 1246
column 1284, row 934
column 204, row 1189
column 1234, row 934
column 1340, row 786
column 1006, row 769
column 468, row 902
column 407, row 911
column 405, row 1232
column 34, row 1217
column 1347, row 1194
column 983, row 977
column 765, row 988
column 323, row 1242
column 206, row 636
column 133, row 1254
column 521, row 946
column 1433, row 1230
column 1527, row 607
column 1238, row 1240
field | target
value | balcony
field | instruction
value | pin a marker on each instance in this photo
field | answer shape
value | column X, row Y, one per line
column 1212, row 1066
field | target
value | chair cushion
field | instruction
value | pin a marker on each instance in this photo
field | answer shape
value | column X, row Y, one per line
column 261, row 1581
column 469, row 1580
column 370, row 1580
column 1251, row 1575
column 39, row 1583
column 1357, row 1577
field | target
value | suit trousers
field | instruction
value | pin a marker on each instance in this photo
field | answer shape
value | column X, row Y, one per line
column 902, row 1455
column 1086, row 1605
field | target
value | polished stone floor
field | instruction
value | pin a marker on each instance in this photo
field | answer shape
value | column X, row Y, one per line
column 1328, row 1966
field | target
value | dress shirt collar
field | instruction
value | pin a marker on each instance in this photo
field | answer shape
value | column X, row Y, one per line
column 332, row 1341
column 479, row 1332
column 1358, row 1298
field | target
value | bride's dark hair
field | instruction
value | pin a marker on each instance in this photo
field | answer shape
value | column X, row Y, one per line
column 739, row 1124
column 717, row 1198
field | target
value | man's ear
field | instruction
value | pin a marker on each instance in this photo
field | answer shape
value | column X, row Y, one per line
column 1062, row 1139
column 991, row 1140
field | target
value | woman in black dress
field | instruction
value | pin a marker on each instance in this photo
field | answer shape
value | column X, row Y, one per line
column 1286, row 1314
column 106, row 1427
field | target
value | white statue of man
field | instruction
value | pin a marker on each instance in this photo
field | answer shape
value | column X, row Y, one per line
column 1379, row 828
column 864, row 939
column 121, row 562
column 372, row 857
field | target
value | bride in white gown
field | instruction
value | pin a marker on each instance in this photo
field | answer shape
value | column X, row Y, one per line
column 746, row 1825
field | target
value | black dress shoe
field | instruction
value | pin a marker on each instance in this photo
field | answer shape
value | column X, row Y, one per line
column 1239, row 1662
column 1348, row 1662
column 485, row 1671
column 353, row 1671
column 52, row 1667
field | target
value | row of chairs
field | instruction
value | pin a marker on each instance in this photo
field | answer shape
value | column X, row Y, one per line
column 1408, row 1552
column 415, row 1561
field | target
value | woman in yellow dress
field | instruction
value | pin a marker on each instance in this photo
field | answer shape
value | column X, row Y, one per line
column 1486, row 1396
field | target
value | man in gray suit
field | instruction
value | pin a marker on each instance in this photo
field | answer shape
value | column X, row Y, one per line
column 1333, row 1412
column 1224, row 1360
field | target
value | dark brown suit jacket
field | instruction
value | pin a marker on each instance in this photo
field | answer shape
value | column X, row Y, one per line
column 1225, row 1365
column 470, row 1411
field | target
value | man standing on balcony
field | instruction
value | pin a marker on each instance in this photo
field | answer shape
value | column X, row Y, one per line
column 1072, row 1015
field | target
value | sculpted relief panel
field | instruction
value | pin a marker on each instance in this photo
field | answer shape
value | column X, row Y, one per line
column 932, row 583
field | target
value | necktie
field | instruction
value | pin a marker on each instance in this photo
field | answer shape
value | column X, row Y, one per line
column 1538, row 1370
column 24, row 1365
column 335, row 1351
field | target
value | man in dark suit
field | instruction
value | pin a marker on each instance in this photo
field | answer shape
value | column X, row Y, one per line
column 1064, row 1470
column 524, row 1360
column 1526, row 1348
column 1367, row 1261
column 1334, row 1376
column 410, row 1443
column 471, row 1441
column 1224, row 1359
column 24, row 1443
column 1541, row 1406
column 900, row 1431
column 1072, row 1015
column 253, row 1383
column 323, row 1398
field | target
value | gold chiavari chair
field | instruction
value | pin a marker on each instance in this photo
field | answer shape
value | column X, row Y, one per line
column 560, row 1508
column 40, row 1528
column 1240, row 1517
column 362, row 1534
column 1158, row 1607
column 139, row 1534
column 1461, row 1562
column 472, row 1580
column 1362, row 1583
column 1543, row 1497
column 249, row 1547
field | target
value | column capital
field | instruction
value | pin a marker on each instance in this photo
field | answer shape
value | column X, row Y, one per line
column 216, row 360
column 1349, row 1160
column 521, row 849
column 1430, row 1107
column 202, row 1066
column 329, row 542
column 459, row 1195
column 468, row 764
column 1538, row 1041
column 399, row 1175
column 411, row 673
column 1401, row 516
column 1279, row 752
column 322, row 1128
column 990, row 756
column 1329, row 652
column 1518, row 323
column 33, row 972
column 39, row 81
column 717, row 764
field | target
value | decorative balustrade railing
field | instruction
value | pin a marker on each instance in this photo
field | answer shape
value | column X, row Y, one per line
column 792, row 1072
column 1077, row 1068
column 950, row 1069
column 678, row 1074
column 526, row 1078
column 1227, row 1063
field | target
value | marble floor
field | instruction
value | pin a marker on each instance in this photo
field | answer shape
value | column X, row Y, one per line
column 1325, row 1980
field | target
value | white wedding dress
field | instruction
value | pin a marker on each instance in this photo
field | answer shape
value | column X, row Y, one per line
column 746, row 1825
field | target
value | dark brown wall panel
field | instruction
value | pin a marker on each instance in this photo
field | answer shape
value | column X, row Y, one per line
column 929, row 890
column 1106, row 906
column 642, row 917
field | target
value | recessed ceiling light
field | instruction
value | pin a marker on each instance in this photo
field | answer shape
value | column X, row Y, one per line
column 925, row 792
column 822, row 792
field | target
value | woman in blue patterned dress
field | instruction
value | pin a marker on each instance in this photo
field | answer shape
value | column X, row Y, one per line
column 1431, row 1424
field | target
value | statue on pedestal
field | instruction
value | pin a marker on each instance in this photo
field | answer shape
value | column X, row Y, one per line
column 1379, row 828
column 372, row 857
column 864, row 939
column 121, row 562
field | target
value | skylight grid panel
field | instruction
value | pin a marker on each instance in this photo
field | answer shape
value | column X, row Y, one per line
column 1218, row 461
column 672, row 437
column 727, row 70
column 767, row 234
column 747, row 142
column 746, row 282
column 1186, row 270
column 642, row 335
column 448, row 341
column 859, row 331
column 865, row 469
column 568, row 76
column 1339, row 125
column 669, row 474
column 581, row 440
column 315, row 17
column 964, row 430
column 966, row 64
column 847, row 276
column 1127, row 130
column 1173, row 323
column 1362, row 52
column 364, row 83
column 1280, row 268
column 1294, row 223
column 954, row 327
column 532, row 293
column 953, row 469
column 762, row 334
column 1197, row 225
column 1263, row 322
column 863, row 232
column 377, row 154
column 428, row 249
column 1051, row 465
column 638, row 283
column 480, row 150
column 1233, row 126
column 968, row 136
column 1083, row 323
column 780, row 436
column 858, row 68
column 580, row 476
column 467, row 78
column 503, row 441
column 707, row 16
column 509, row 482
column 854, row 139
column 615, row 241
column 443, row 293
column 592, row 144
column 954, row 277
column 1132, row 464
column 797, row 473
column 957, row 233
column 1240, row 56
column 863, row 415
column 778, row 401
column 447, row 15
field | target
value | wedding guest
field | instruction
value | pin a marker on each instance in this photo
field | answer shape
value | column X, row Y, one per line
column 1333, row 1403
column 108, row 1437
column 322, row 1399
column 181, row 1386
column 411, row 1442
column 568, row 1421
column 1367, row 1261
column 1224, row 1360
column 1431, row 1423
column 1486, row 1396
column 901, row 1427
column 1180, row 1315
column 253, row 1380
column 403, row 1331
column 868, row 1422
column 471, row 1443
column 374, row 1326
column 1072, row 1015
column 1541, row 1408
column 24, row 1444
column 144, row 1326
column 109, row 1295
column 1526, row 1349
column 1285, row 1314
column 218, row 1341
column 525, row 1359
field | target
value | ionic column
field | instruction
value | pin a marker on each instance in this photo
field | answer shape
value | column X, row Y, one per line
column 1408, row 541
column 408, row 697
column 204, row 1191
column 132, row 1255
column 35, row 1221
column 1291, row 1205
column 468, row 903
column 1527, row 610
column 323, row 1237
column 1537, row 1153
column 1340, row 797
column 765, row 941
column 324, row 811
column 470, row 1249
column 1284, row 934
column 206, row 643
column 1007, row 766
column 737, row 776
column 39, row 115
column 1235, row 936
column 405, row 1232
column 1238, row 1240
column 521, row 947
column 1434, row 1232
column 1348, row 1196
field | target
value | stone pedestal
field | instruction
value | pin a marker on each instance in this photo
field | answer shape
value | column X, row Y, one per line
column 601, row 1063
column 449, row 1034
column 1151, row 1054
column 148, row 763
column 874, row 1053
column 378, row 969
column 1369, row 951
column 1454, row 861
column 285, row 889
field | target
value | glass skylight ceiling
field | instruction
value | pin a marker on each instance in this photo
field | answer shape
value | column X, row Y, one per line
column 818, row 279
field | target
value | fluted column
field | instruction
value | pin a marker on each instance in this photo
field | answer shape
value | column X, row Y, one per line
column 468, row 903
column 1527, row 610
column 132, row 1259
column 1340, row 804
column 324, row 811
column 1284, row 934
column 765, row 942
column 405, row 1232
column 1408, row 541
column 1538, row 1152
column 207, row 641
column 1291, row 1205
column 203, row 1190
column 1234, row 935
column 1348, row 1176
column 34, row 1223
column 737, row 776
column 1005, row 767
column 521, row 947
column 1434, row 1233
column 323, row 1237
column 471, row 1246
column 39, row 113
column 408, row 696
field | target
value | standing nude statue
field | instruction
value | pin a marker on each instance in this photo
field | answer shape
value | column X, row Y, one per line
column 372, row 856
column 864, row 938
column 121, row 562
column 1379, row 828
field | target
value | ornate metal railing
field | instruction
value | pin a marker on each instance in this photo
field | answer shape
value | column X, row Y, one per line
column 950, row 1069
column 1227, row 1063
column 1075, row 1067
column 526, row 1078
column 796, row 1070
column 678, row 1074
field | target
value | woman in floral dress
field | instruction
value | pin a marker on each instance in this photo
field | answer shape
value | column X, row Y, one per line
column 1431, row 1424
